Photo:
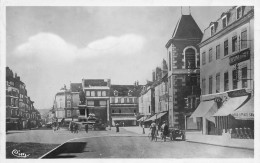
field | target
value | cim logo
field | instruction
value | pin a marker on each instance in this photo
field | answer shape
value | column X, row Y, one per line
column 17, row 153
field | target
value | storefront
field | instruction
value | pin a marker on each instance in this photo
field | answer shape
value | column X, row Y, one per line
column 159, row 118
column 124, row 121
column 223, row 113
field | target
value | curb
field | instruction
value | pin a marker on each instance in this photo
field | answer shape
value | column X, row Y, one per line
column 192, row 141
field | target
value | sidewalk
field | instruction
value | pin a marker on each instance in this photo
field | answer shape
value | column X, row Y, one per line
column 197, row 137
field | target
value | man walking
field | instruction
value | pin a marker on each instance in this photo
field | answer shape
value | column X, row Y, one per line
column 165, row 130
column 86, row 128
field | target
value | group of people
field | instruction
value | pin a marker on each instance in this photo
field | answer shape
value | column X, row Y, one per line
column 155, row 130
column 73, row 127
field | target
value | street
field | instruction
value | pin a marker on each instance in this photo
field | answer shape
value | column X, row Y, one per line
column 125, row 144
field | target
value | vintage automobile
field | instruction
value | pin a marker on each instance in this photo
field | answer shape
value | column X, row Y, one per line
column 177, row 133
column 94, row 123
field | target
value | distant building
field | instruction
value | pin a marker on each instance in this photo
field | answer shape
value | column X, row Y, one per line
column 183, row 70
column 124, row 104
column 227, row 72
column 96, row 98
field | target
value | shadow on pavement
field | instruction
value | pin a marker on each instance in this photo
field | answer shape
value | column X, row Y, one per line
column 69, row 147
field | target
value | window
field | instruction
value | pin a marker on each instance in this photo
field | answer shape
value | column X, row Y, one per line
column 130, row 100
column 210, row 54
column 203, row 86
column 170, row 81
column 119, row 100
column 103, row 93
column 235, row 78
column 125, row 100
column 92, row 93
column 239, row 12
column 170, row 61
column 234, row 43
column 244, row 39
column 226, row 48
column 244, row 77
column 115, row 93
column 212, row 30
column 113, row 111
column 218, row 83
column 119, row 110
column 90, row 103
column 226, row 81
column 68, row 113
column 224, row 22
column 149, row 109
column 98, row 93
column 203, row 58
column 68, row 104
column 190, row 58
column 218, row 52
column 210, row 84
column 112, row 100
column 135, row 100
column 102, row 103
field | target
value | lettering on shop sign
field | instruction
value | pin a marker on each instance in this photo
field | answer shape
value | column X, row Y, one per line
column 238, row 93
column 248, row 115
column 241, row 56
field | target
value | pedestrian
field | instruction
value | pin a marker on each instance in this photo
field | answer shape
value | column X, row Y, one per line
column 70, row 127
column 117, row 127
column 86, row 128
column 76, row 128
column 165, row 130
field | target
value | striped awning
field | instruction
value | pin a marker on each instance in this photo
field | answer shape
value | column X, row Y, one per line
column 246, row 111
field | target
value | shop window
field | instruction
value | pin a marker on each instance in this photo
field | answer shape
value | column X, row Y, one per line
column 235, row 78
column 244, row 39
column 102, row 103
column 210, row 84
column 218, row 52
column 244, row 77
column 225, row 47
column 226, row 81
column 218, row 83
column 234, row 43
column 203, row 58
column 210, row 54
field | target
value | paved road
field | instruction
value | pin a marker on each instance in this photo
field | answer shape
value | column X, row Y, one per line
column 141, row 147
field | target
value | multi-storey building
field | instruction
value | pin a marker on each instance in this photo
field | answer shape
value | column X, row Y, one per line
column 124, row 104
column 96, row 99
column 227, row 72
column 183, row 69
column 20, row 111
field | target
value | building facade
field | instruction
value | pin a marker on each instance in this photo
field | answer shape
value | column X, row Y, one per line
column 227, row 72
column 20, row 111
column 96, row 100
column 183, row 70
column 124, row 104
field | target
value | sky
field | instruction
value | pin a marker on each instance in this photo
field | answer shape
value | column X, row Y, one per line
column 52, row 46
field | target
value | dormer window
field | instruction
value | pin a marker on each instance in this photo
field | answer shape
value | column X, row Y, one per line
column 224, row 21
column 115, row 93
column 212, row 29
column 130, row 93
column 239, row 12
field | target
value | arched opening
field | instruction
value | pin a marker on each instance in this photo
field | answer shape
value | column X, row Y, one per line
column 190, row 58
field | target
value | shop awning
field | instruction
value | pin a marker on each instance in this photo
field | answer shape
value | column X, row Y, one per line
column 246, row 111
column 141, row 119
column 123, row 118
column 156, row 116
column 229, row 106
column 203, row 108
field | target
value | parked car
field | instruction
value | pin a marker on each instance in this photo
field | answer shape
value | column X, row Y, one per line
column 177, row 133
column 48, row 125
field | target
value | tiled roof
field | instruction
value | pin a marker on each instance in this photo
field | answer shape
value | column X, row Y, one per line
column 95, row 82
column 124, row 89
column 76, row 87
column 187, row 28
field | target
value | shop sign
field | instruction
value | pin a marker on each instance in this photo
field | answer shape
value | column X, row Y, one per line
column 243, row 115
column 238, row 93
column 240, row 57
